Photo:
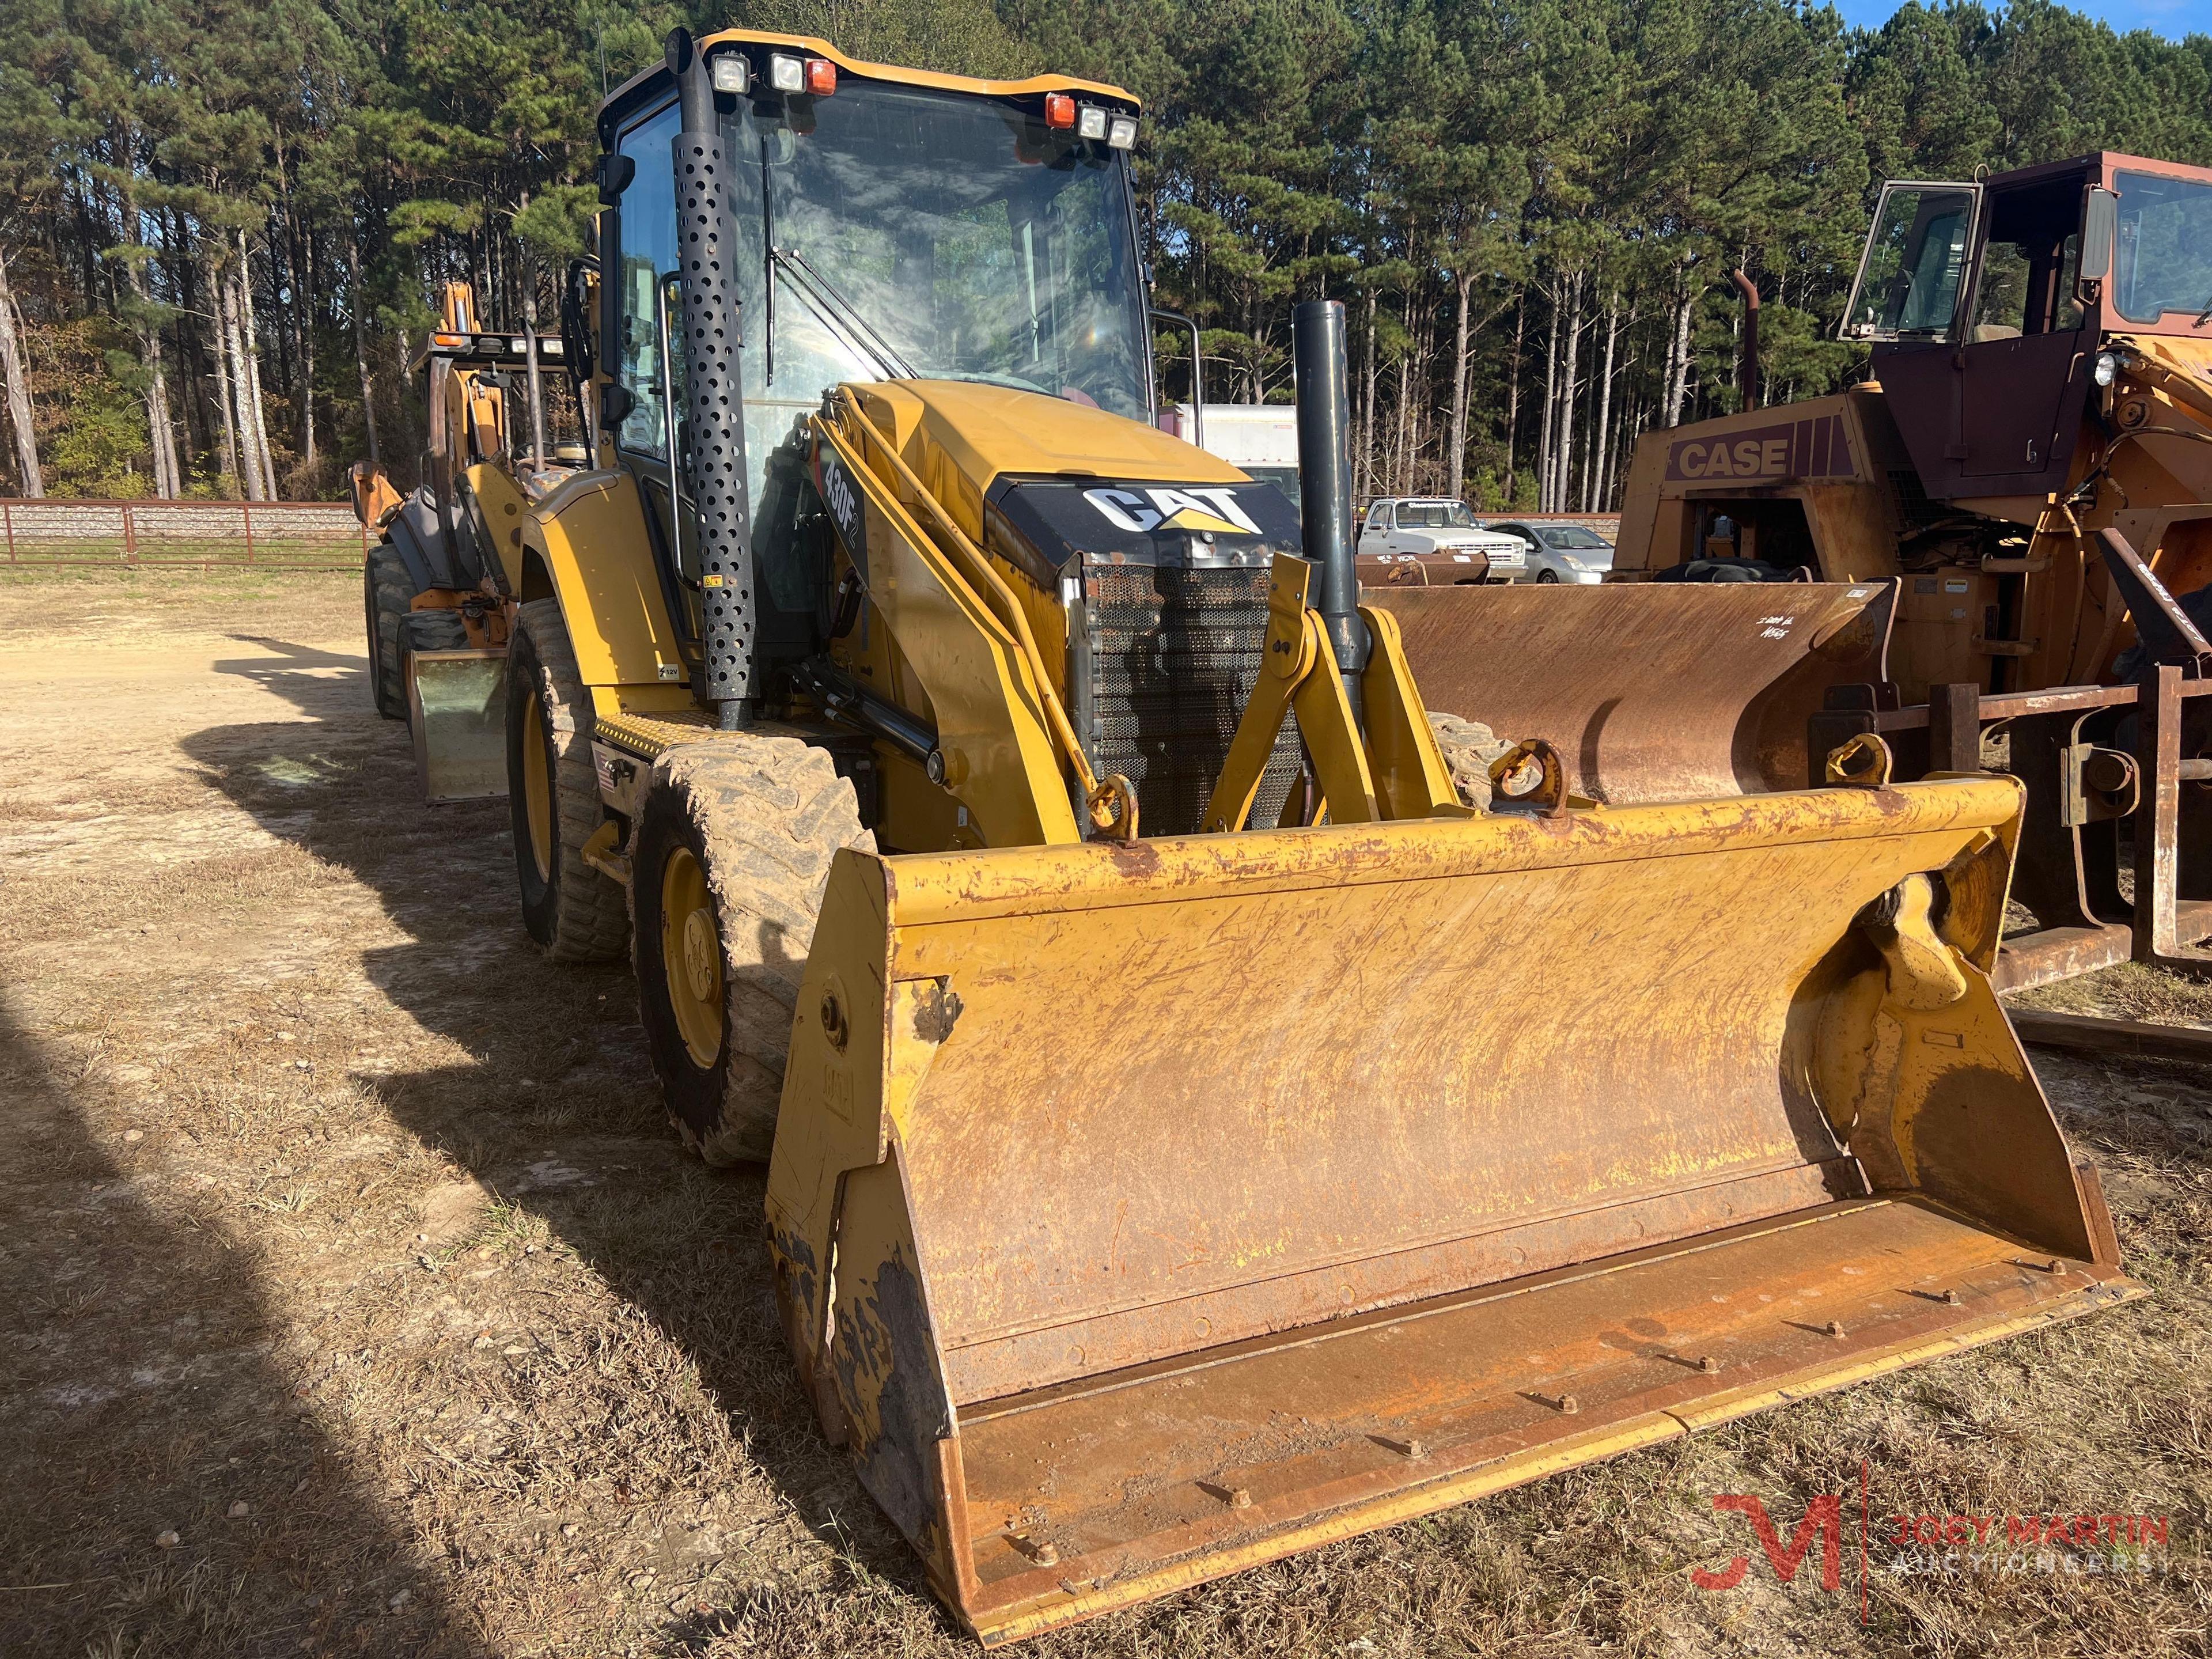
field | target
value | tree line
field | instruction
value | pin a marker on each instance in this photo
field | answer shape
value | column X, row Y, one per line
column 222, row 225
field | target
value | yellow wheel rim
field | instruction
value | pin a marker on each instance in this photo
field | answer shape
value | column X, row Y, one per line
column 537, row 790
column 691, row 956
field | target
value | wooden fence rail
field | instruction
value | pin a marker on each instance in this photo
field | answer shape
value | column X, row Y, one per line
column 182, row 535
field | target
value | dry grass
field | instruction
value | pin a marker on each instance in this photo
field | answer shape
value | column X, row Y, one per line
column 327, row 1197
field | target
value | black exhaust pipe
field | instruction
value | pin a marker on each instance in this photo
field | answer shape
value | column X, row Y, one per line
column 1317, row 354
column 713, row 396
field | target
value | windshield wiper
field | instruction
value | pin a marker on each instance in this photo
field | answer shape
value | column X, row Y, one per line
column 843, row 317
column 999, row 377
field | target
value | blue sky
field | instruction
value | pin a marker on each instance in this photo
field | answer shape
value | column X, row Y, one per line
column 2172, row 18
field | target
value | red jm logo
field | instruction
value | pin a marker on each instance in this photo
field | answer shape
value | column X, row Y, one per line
column 1824, row 1518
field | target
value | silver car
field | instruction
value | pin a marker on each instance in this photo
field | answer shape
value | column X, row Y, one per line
column 1570, row 553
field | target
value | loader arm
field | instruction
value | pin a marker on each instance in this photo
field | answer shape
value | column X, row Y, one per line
column 1390, row 770
column 993, row 707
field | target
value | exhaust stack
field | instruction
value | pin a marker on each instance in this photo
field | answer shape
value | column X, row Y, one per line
column 712, row 391
column 1317, row 331
column 1746, row 372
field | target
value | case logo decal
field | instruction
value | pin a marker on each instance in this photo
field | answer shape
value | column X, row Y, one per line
column 1215, row 509
column 1815, row 447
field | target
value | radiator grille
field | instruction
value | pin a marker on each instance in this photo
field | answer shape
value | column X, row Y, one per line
column 1913, row 502
column 1175, row 651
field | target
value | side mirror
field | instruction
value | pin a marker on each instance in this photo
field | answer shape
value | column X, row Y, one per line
column 2100, row 223
column 612, row 176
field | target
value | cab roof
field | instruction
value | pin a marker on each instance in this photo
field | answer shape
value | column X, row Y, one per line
column 649, row 87
column 2103, row 164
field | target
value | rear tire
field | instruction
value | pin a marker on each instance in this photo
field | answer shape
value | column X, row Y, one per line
column 576, row 912
column 733, row 847
column 386, row 592
column 435, row 630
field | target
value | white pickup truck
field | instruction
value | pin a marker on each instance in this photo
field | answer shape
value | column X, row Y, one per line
column 1429, row 528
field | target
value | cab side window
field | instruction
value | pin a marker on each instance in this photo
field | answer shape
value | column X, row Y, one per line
column 648, row 252
column 2029, row 262
column 2002, row 300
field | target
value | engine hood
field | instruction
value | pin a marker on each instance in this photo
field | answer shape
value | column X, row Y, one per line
column 1044, row 480
column 989, row 431
column 1045, row 523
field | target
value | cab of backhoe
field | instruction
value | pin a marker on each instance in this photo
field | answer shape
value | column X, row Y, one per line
column 947, row 272
column 1986, row 304
column 891, row 224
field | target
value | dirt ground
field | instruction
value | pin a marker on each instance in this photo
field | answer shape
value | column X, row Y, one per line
column 356, row 1298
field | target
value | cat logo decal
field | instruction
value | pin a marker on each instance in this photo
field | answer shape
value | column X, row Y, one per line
column 1213, row 510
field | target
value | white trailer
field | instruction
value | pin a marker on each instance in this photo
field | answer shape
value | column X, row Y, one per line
column 1261, row 438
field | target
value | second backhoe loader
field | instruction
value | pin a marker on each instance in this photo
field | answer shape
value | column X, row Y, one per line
column 1193, row 1133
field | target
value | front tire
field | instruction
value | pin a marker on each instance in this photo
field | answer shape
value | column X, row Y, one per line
column 1548, row 577
column 733, row 847
column 576, row 912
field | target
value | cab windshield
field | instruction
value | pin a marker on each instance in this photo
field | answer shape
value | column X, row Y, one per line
column 898, row 230
column 1914, row 260
column 1434, row 515
column 2164, row 259
column 883, row 232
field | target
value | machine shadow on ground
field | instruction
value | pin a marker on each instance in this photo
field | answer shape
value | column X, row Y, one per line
column 555, row 1111
column 147, row 1398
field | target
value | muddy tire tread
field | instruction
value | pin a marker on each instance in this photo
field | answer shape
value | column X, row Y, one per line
column 770, row 814
column 433, row 630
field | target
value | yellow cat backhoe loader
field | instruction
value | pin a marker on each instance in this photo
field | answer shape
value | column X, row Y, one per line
column 1194, row 1132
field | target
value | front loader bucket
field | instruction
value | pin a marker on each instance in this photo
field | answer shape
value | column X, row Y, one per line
column 1143, row 1212
column 1650, row 690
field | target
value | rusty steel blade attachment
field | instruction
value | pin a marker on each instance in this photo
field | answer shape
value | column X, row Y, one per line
column 1651, row 691
column 1144, row 1211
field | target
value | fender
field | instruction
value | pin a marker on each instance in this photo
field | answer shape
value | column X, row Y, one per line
column 414, row 535
column 589, row 537
column 492, row 510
